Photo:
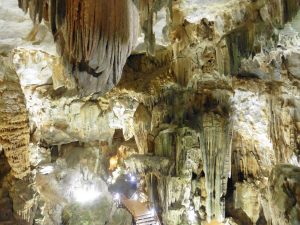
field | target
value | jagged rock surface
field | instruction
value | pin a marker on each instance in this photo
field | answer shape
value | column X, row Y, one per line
column 206, row 114
column 94, row 37
column 14, row 124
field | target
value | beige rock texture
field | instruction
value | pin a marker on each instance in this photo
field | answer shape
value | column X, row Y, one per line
column 14, row 138
column 197, row 101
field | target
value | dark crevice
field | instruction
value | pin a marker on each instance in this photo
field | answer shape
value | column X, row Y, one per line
column 54, row 153
column 261, row 220
column 84, row 67
column 238, row 215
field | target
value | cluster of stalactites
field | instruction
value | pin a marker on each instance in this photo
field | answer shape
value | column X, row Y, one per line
column 216, row 154
column 94, row 38
column 148, row 9
column 282, row 130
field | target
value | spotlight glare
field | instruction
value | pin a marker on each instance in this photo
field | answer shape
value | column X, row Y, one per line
column 132, row 178
column 117, row 196
column 85, row 194
column 135, row 196
column 46, row 170
column 152, row 212
column 192, row 215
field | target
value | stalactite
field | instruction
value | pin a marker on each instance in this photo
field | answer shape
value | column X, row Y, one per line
column 147, row 12
column 282, row 131
column 244, row 160
column 94, row 37
column 142, row 126
column 165, row 144
column 148, row 9
column 181, row 67
column 215, row 147
column 282, row 11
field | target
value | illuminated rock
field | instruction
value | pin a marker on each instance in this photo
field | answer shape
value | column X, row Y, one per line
column 205, row 117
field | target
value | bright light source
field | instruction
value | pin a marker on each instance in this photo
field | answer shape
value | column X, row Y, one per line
column 192, row 215
column 110, row 180
column 132, row 178
column 135, row 196
column 294, row 160
column 117, row 196
column 46, row 170
column 152, row 211
column 85, row 194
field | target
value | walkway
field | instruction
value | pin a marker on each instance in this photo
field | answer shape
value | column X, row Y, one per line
column 140, row 211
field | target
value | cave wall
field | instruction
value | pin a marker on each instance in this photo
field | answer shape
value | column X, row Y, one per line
column 206, row 113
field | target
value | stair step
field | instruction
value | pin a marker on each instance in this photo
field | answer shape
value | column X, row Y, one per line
column 147, row 223
column 146, row 215
column 145, row 220
column 137, row 209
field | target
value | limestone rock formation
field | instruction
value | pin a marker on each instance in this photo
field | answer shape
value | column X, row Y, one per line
column 94, row 38
column 188, row 109
column 14, row 137
column 284, row 194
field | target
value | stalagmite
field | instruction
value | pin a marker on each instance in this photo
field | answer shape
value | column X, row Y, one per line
column 14, row 125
